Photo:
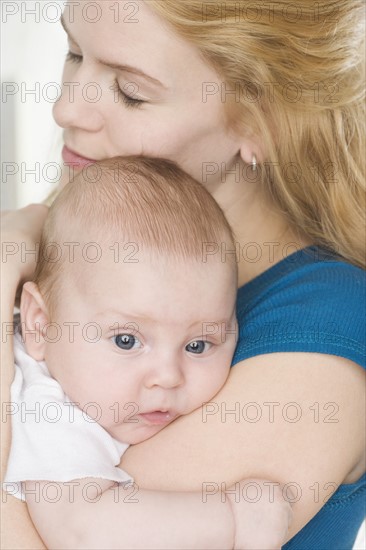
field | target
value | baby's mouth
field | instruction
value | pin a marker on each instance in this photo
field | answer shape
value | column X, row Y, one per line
column 158, row 417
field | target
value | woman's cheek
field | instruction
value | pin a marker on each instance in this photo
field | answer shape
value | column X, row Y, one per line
column 68, row 72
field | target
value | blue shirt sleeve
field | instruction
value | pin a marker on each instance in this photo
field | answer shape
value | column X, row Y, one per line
column 308, row 302
column 311, row 302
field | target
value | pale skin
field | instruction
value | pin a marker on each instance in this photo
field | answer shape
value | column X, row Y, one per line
column 309, row 453
column 166, row 362
column 164, row 520
column 169, row 364
column 159, row 369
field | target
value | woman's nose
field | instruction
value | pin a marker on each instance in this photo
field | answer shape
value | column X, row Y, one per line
column 80, row 106
column 166, row 372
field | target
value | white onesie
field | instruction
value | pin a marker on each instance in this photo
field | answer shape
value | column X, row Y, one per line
column 52, row 439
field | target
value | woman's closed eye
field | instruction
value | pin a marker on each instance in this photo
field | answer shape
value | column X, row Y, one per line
column 127, row 99
column 73, row 57
column 198, row 346
column 127, row 341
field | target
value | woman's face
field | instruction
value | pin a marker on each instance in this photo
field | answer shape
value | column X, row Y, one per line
column 173, row 112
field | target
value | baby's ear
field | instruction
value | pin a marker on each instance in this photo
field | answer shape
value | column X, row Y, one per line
column 34, row 317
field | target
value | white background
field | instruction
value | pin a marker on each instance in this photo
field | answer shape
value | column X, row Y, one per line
column 33, row 51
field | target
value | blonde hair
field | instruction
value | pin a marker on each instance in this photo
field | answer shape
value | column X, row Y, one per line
column 299, row 70
column 150, row 202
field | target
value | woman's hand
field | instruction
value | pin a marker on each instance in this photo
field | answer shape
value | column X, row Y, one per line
column 262, row 514
column 20, row 234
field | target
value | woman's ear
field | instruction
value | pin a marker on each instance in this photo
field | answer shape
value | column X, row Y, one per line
column 34, row 317
column 251, row 151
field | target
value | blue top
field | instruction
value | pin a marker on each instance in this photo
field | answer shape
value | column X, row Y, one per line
column 311, row 301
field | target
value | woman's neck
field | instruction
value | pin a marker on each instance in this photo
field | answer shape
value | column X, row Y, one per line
column 263, row 235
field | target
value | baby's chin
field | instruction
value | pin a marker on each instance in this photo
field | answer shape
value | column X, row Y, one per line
column 135, row 435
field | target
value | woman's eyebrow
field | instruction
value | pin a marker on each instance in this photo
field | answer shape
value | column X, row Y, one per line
column 134, row 70
column 116, row 66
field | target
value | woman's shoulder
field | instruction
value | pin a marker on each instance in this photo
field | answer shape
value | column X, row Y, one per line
column 310, row 301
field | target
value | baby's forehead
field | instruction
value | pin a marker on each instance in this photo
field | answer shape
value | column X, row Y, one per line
column 148, row 289
column 107, row 259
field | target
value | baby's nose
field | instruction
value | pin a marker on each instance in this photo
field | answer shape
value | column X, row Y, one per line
column 166, row 372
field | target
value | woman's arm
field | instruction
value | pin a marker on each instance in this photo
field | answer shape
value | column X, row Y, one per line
column 214, row 446
column 8, row 291
column 297, row 418
column 20, row 233
column 20, row 230
column 17, row 530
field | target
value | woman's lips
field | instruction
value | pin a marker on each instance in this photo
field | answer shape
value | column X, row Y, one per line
column 158, row 417
column 71, row 158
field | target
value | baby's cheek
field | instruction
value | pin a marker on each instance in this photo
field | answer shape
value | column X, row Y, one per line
column 115, row 416
column 206, row 388
column 219, row 377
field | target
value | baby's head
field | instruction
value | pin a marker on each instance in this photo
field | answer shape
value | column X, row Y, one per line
column 133, row 304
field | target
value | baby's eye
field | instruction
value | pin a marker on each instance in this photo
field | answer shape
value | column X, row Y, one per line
column 127, row 341
column 198, row 346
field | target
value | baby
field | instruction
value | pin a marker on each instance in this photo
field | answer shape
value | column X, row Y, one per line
column 129, row 324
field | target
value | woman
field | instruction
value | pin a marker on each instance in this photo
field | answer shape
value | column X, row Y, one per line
column 263, row 106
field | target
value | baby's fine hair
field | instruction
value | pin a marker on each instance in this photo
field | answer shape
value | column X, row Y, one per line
column 149, row 202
